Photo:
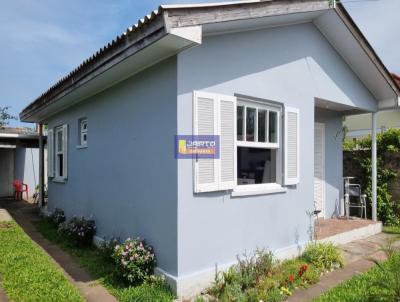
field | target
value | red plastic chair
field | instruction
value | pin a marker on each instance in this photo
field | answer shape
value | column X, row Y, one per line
column 19, row 188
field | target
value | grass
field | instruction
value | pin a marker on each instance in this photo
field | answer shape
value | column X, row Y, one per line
column 102, row 269
column 27, row 273
column 367, row 286
column 392, row 229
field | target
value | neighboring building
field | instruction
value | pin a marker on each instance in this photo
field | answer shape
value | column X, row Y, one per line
column 360, row 125
column 271, row 79
column 19, row 159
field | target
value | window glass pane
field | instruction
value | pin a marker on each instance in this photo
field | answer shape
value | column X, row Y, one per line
column 240, row 113
column 256, row 166
column 59, row 141
column 250, row 123
column 262, row 114
column 273, row 127
column 60, row 165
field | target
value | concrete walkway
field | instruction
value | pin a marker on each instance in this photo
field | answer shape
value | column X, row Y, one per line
column 24, row 214
column 3, row 297
column 357, row 256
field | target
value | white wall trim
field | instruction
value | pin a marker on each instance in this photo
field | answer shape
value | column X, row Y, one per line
column 190, row 285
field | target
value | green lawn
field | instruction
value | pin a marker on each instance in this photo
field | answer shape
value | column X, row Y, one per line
column 376, row 285
column 27, row 273
column 392, row 229
column 102, row 268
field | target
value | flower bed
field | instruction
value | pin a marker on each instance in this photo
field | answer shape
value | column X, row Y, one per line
column 261, row 278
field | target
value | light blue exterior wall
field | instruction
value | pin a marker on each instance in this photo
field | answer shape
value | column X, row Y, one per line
column 291, row 65
column 27, row 167
column 126, row 178
column 333, row 160
column 130, row 182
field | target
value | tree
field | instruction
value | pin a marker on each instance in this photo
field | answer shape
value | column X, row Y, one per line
column 5, row 117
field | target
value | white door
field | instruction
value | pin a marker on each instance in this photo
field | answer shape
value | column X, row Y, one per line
column 319, row 168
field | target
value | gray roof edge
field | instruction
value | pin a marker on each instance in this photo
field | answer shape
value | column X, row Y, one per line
column 170, row 16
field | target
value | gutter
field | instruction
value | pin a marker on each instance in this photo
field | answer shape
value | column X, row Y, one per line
column 368, row 49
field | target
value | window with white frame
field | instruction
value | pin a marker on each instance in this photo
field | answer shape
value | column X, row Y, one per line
column 57, row 152
column 257, row 142
column 83, row 132
column 256, row 156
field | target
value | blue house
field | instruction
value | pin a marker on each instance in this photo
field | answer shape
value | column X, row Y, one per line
column 269, row 80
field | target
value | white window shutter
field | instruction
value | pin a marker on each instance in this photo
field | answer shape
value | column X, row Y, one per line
column 215, row 114
column 205, row 123
column 227, row 127
column 50, row 153
column 292, row 142
column 65, row 150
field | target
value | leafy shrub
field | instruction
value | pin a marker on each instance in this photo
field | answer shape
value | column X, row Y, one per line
column 387, row 209
column 259, row 278
column 135, row 260
column 243, row 276
column 57, row 217
column 107, row 248
column 324, row 256
column 79, row 229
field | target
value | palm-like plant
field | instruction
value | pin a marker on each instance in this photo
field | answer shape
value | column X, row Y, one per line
column 389, row 283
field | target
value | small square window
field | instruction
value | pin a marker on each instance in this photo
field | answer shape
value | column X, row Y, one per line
column 83, row 132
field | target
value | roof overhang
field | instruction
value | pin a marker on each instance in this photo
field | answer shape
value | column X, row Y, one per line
column 174, row 28
column 23, row 140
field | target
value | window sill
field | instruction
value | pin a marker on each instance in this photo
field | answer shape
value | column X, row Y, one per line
column 81, row 146
column 250, row 190
column 59, row 180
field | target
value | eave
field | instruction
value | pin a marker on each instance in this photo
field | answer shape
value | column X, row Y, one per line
column 173, row 28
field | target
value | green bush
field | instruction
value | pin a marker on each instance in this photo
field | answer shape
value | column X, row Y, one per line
column 135, row 260
column 243, row 276
column 387, row 209
column 57, row 217
column 324, row 256
column 79, row 229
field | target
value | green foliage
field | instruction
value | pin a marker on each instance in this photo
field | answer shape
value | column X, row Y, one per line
column 135, row 260
column 27, row 273
column 78, row 229
column 259, row 277
column 392, row 229
column 380, row 284
column 324, row 256
column 57, row 217
column 5, row 117
column 387, row 209
column 242, row 276
column 389, row 284
column 89, row 257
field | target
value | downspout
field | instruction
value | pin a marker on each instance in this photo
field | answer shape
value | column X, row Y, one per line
column 41, row 166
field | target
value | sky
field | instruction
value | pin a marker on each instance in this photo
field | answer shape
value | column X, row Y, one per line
column 43, row 40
